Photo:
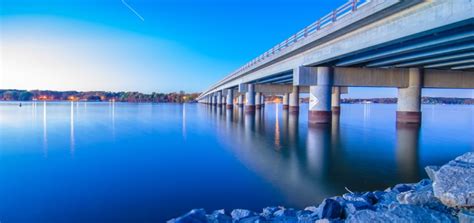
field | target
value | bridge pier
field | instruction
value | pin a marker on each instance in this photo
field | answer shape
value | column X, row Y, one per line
column 262, row 100
column 409, row 99
column 219, row 98
column 258, row 100
column 285, row 102
column 336, row 100
column 224, row 99
column 320, row 97
column 250, row 95
column 294, row 100
column 240, row 101
column 230, row 99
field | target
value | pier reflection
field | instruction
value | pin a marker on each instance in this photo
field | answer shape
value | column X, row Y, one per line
column 407, row 152
column 45, row 131
column 308, row 163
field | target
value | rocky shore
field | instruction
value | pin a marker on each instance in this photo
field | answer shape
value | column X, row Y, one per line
column 448, row 196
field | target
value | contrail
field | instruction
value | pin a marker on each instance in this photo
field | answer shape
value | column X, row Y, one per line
column 133, row 10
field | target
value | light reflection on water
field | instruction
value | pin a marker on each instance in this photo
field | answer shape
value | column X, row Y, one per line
column 80, row 161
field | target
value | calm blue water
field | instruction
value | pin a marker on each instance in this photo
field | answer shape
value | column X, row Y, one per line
column 102, row 162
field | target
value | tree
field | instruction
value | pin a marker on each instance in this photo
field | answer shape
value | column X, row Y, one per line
column 25, row 96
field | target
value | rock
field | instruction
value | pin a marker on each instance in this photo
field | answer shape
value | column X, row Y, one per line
column 353, row 206
column 311, row 208
column 378, row 195
column 454, row 182
column 354, row 197
column 386, row 199
column 421, row 196
column 399, row 188
column 268, row 212
column 330, row 209
column 194, row 216
column 465, row 216
column 219, row 217
column 423, row 182
column 285, row 215
column 369, row 216
column 431, row 170
column 306, row 216
column 238, row 214
column 251, row 219
column 401, row 213
column 413, row 213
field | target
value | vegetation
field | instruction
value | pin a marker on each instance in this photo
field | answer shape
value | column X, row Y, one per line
column 24, row 95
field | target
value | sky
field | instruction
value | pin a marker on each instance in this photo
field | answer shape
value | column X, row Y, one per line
column 148, row 45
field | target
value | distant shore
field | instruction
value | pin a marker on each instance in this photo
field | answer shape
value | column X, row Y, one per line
column 180, row 97
column 95, row 96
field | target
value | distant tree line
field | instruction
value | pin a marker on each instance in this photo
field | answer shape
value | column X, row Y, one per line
column 424, row 100
column 24, row 95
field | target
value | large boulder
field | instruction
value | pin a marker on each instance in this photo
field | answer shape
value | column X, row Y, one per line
column 330, row 209
column 453, row 183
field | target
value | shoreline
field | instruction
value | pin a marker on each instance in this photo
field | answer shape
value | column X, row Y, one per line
column 447, row 196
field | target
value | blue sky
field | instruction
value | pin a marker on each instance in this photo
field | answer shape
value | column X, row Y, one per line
column 179, row 45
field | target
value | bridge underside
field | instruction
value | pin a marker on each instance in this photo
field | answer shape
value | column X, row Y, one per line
column 450, row 49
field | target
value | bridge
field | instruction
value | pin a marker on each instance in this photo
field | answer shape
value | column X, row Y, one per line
column 404, row 44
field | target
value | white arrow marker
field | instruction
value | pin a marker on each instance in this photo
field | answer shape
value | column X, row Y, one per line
column 133, row 10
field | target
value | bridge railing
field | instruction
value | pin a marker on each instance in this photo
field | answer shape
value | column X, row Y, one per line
column 344, row 10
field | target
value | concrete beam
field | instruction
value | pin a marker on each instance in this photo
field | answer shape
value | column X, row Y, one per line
column 305, row 76
column 370, row 77
column 448, row 79
column 278, row 89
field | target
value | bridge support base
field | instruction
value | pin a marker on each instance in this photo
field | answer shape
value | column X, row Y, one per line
column 408, row 117
column 319, row 117
column 250, row 106
column 336, row 100
column 258, row 98
column 249, row 109
column 285, row 104
column 294, row 100
column 320, row 97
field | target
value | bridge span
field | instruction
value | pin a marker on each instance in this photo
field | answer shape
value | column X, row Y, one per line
column 405, row 44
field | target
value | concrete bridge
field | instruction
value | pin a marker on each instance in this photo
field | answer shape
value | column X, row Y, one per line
column 406, row 44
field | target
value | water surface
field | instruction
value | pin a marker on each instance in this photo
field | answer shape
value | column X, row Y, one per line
column 121, row 162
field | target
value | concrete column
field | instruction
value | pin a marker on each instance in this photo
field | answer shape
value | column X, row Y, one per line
column 250, row 94
column 320, row 97
column 230, row 98
column 224, row 99
column 258, row 100
column 285, row 101
column 240, row 100
column 294, row 100
column 409, row 99
column 219, row 98
column 336, row 100
column 262, row 100
column 213, row 100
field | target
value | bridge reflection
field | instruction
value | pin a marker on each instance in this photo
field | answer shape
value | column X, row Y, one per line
column 308, row 163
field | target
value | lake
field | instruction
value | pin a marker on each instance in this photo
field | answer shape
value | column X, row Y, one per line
column 123, row 162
